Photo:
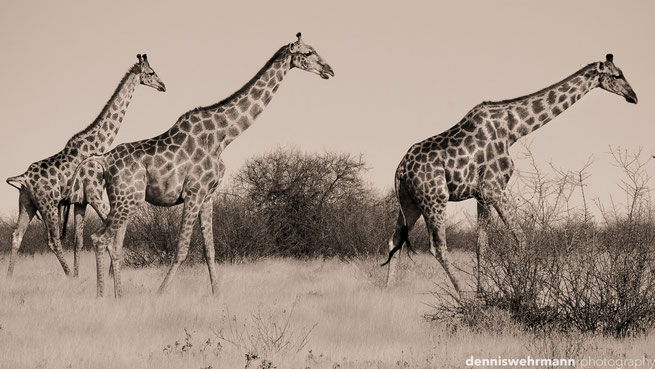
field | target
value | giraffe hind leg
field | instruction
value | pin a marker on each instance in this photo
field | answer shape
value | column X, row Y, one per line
column 435, row 221
column 115, row 253
column 433, row 208
column 110, row 238
column 51, row 219
column 79, row 214
column 189, row 214
column 100, row 240
column 102, row 209
column 439, row 250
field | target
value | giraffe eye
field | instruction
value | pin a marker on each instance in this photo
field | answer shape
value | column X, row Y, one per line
column 308, row 53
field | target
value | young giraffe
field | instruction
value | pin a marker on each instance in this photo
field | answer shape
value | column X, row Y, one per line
column 471, row 160
column 43, row 185
column 183, row 164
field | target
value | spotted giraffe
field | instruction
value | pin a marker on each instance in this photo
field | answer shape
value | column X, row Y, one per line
column 183, row 164
column 471, row 160
column 43, row 184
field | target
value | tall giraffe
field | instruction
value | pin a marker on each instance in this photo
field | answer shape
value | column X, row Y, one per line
column 43, row 185
column 471, row 160
column 183, row 164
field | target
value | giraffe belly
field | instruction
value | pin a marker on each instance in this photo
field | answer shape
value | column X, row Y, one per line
column 462, row 192
column 164, row 192
column 159, row 200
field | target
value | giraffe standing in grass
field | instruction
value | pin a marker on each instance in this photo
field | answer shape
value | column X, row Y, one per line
column 183, row 164
column 43, row 186
column 471, row 160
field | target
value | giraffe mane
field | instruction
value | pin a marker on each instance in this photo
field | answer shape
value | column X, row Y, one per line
column 507, row 101
column 108, row 103
column 243, row 89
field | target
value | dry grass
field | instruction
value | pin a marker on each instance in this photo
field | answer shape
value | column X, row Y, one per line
column 281, row 313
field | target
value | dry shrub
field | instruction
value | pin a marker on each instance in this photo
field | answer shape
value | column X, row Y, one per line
column 572, row 273
column 265, row 333
column 315, row 205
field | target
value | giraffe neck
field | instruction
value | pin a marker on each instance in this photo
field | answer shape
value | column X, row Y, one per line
column 233, row 115
column 528, row 113
column 99, row 135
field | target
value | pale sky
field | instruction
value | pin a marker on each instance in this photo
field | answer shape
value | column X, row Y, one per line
column 404, row 71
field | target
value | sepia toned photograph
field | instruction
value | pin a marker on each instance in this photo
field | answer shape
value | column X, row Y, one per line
column 343, row 184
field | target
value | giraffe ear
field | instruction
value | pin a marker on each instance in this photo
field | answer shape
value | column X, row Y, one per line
column 292, row 47
column 609, row 57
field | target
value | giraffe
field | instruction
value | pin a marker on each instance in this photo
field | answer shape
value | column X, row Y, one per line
column 471, row 160
column 183, row 164
column 43, row 184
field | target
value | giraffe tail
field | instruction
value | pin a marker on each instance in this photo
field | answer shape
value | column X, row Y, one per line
column 18, row 181
column 404, row 238
column 404, row 229
column 64, row 211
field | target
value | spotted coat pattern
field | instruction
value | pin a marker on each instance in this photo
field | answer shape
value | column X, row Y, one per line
column 43, row 185
column 472, row 160
column 183, row 164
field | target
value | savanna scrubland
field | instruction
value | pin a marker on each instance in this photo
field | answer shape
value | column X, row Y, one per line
column 299, row 238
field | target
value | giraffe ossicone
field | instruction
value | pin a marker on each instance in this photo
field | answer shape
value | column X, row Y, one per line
column 183, row 164
column 44, row 185
column 471, row 160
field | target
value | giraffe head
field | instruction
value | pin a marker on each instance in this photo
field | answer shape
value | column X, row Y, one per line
column 611, row 79
column 304, row 56
column 147, row 75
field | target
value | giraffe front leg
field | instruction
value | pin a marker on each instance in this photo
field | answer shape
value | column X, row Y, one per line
column 189, row 214
column 79, row 213
column 205, row 216
column 26, row 212
column 482, row 239
column 507, row 215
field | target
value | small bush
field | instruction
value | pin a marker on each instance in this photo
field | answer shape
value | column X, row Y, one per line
column 313, row 204
column 265, row 334
column 571, row 273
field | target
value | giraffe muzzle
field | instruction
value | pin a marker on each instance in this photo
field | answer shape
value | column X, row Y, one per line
column 631, row 98
column 327, row 71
